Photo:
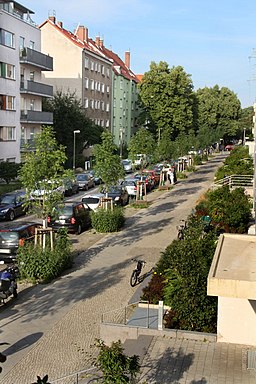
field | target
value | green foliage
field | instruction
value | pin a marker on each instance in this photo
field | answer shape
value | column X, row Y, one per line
column 185, row 265
column 8, row 171
column 44, row 169
column 229, row 209
column 117, row 368
column 181, row 175
column 108, row 221
column 197, row 160
column 5, row 188
column 142, row 142
column 239, row 162
column 43, row 380
column 108, row 165
column 154, row 291
column 41, row 265
column 68, row 116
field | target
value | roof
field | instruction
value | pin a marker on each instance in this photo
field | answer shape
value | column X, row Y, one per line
column 90, row 45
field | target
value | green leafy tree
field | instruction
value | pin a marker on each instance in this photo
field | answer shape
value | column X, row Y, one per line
column 8, row 171
column 108, row 165
column 168, row 97
column 68, row 116
column 44, row 170
column 142, row 142
column 117, row 368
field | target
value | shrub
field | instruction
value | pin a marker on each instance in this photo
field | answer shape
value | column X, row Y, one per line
column 181, row 175
column 38, row 265
column 237, row 163
column 154, row 291
column 197, row 160
column 107, row 220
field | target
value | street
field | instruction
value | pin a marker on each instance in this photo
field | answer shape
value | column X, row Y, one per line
column 51, row 328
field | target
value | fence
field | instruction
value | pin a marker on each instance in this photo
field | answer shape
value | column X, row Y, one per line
column 235, row 181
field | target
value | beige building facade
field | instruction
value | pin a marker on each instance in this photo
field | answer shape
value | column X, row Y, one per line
column 80, row 68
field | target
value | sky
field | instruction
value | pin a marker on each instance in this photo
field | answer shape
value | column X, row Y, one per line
column 213, row 40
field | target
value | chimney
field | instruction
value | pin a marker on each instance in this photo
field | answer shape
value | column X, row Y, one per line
column 53, row 19
column 60, row 24
column 97, row 41
column 82, row 33
column 127, row 59
column 101, row 43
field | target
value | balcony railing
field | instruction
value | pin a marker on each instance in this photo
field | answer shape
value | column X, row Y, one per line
column 27, row 145
column 36, row 88
column 38, row 117
column 38, row 59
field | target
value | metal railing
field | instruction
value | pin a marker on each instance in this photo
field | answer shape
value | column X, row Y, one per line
column 85, row 376
column 235, row 181
column 122, row 315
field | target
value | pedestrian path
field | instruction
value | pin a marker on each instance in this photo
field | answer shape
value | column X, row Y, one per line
column 52, row 329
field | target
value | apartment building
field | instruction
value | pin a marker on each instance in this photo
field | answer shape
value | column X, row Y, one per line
column 80, row 67
column 21, row 89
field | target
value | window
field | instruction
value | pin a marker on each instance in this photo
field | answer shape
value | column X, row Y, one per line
column 32, row 104
column 98, row 86
column 7, row 133
column 7, row 71
column 86, row 83
column 86, row 62
column 7, row 102
column 96, row 67
column 102, row 105
column 102, row 88
column 108, row 72
column 121, row 83
column 32, row 44
column 107, row 123
column 32, row 133
column 92, row 103
column 121, row 103
column 92, row 65
column 32, row 75
column 103, row 70
column 96, row 104
column 107, row 88
column 86, row 103
column 22, row 42
column 7, row 38
column 99, row 67
column 92, row 84
column 102, row 123
column 107, row 107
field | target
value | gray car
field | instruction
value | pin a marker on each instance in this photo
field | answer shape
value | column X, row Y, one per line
column 85, row 181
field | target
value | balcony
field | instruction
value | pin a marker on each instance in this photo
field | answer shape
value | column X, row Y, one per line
column 27, row 145
column 37, row 59
column 38, row 117
column 34, row 88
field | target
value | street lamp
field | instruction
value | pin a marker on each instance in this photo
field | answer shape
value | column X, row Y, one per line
column 74, row 149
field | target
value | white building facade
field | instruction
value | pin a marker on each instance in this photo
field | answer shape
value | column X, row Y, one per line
column 21, row 89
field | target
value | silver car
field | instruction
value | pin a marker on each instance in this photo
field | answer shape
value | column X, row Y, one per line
column 85, row 181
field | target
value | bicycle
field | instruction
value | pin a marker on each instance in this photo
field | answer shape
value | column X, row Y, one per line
column 181, row 229
column 136, row 272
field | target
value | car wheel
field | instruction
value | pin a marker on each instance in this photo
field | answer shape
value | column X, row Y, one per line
column 79, row 229
column 128, row 198
column 11, row 215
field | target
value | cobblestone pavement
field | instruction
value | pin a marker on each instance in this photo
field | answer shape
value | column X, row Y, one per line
column 52, row 328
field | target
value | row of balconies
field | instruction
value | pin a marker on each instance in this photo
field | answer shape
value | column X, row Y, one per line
column 37, row 59
column 34, row 88
column 38, row 117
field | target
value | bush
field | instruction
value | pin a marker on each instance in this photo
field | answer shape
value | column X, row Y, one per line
column 107, row 220
column 38, row 265
column 154, row 291
column 197, row 160
column 238, row 163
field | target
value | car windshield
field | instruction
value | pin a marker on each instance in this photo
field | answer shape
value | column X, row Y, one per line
column 126, row 162
column 129, row 182
column 8, row 236
column 90, row 200
column 66, row 210
column 114, row 190
column 8, row 199
column 83, row 177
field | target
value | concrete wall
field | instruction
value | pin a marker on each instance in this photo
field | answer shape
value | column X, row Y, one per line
column 236, row 321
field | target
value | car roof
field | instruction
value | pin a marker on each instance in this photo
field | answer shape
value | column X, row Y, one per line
column 17, row 227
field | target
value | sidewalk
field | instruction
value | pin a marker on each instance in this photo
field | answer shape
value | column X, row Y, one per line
column 51, row 329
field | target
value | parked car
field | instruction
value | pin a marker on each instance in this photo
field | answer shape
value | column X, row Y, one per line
column 71, row 187
column 85, row 181
column 118, row 194
column 74, row 216
column 229, row 147
column 131, row 186
column 12, row 205
column 97, row 179
column 149, row 183
column 93, row 201
column 127, row 164
column 11, row 237
column 46, row 187
column 153, row 174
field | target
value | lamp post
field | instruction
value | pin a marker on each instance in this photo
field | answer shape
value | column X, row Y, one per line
column 74, row 149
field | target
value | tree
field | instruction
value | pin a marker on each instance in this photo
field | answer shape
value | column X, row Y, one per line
column 44, row 170
column 8, row 171
column 117, row 368
column 169, row 100
column 142, row 142
column 108, row 165
column 68, row 116
column 218, row 114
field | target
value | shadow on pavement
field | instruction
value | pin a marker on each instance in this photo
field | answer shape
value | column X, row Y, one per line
column 23, row 343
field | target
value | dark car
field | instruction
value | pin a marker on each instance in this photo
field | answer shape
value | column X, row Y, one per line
column 74, row 216
column 147, row 180
column 85, row 181
column 118, row 194
column 71, row 187
column 97, row 179
column 12, row 205
column 11, row 237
